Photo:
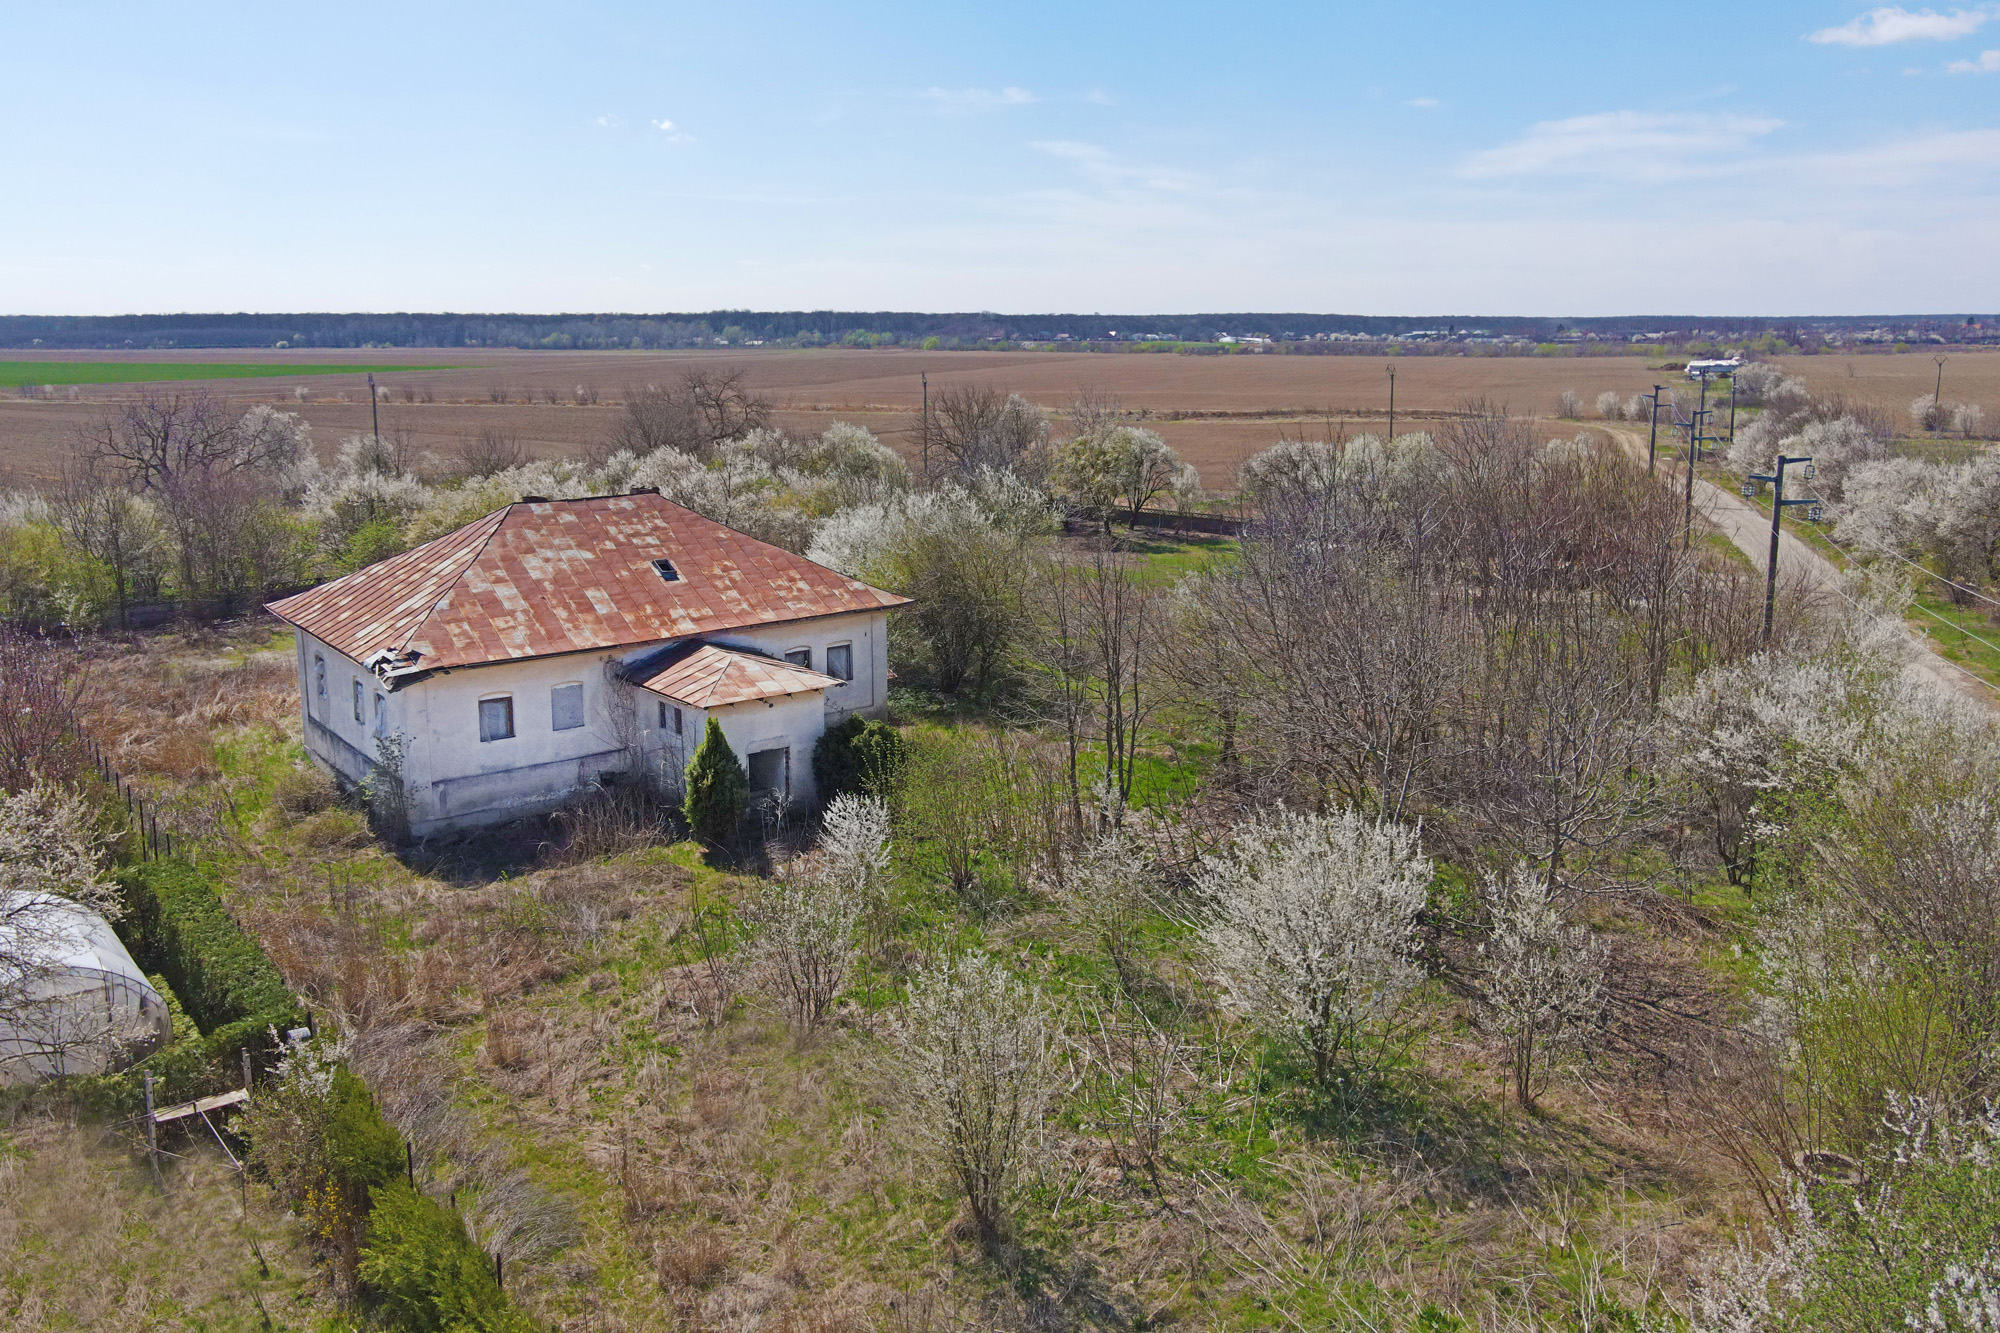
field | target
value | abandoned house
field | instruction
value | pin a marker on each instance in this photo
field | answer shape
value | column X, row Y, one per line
column 555, row 642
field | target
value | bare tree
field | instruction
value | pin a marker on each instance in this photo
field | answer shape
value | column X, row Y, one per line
column 978, row 425
column 705, row 408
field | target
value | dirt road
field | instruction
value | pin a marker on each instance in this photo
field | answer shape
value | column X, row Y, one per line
column 1749, row 529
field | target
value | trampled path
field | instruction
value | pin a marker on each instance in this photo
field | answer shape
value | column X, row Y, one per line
column 1749, row 528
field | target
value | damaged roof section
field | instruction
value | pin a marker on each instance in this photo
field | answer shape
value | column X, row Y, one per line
column 701, row 675
column 557, row 576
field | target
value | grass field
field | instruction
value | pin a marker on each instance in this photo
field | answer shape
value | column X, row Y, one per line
column 13, row 374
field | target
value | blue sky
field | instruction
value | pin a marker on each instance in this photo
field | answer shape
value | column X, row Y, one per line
column 1554, row 158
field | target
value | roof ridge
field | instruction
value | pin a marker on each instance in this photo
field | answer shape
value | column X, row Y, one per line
column 496, row 518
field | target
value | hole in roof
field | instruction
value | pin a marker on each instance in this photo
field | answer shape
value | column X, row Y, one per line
column 665, row 569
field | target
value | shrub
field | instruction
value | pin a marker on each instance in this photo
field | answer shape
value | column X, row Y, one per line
column 303, row 791
column 805, row 922
column 176, row 925
column 716, row 788
column 1543, row 977
column 1312, row 921
column 977, row 1054
column 426, row 1273
column 317, row 1136
column 858, row 756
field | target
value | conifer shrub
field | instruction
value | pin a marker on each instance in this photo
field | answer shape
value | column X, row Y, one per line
column 425, row 1273
column 858, row 756
column 717, row 790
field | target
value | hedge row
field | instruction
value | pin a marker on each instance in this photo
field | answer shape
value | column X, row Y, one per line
column 176, row 926
column 425, row 1272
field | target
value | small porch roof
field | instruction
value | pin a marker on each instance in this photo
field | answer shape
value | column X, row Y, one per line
column 703, row 675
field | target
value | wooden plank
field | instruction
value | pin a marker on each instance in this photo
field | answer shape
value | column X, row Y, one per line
column 231, row 1098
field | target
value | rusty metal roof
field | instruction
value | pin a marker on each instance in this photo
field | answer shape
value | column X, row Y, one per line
column 556, row 576
column 706, row 676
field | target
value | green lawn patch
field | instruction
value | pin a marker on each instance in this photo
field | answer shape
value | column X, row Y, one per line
column 14, row 374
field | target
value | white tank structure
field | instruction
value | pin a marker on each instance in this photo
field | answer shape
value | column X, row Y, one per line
column 72, row 1001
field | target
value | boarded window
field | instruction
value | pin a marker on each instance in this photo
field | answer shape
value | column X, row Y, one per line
column 802, row 657
column 840, row 661
column 566, row 707
column 360, row 694
column 319, row 675
column 496, row 719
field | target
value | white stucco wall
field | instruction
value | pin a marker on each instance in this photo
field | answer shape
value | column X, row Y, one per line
column 453, row 780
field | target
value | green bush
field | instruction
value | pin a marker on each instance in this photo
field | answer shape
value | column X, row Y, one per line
column 858, row 756
column 175, row 925
column 425, row 1272
column 716, row 788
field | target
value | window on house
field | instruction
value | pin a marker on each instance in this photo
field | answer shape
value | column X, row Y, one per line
column 840, row 661
column 677, row 722
column 801, row 657
column 665, row 569
column 319, row 676
column 496, row 718
column 770, row 773
column 566, row 707
column 381, row 715
column 670, row 717
column 360, row 696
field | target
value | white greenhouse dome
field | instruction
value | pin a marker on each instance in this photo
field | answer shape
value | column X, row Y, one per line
column 72, row 1001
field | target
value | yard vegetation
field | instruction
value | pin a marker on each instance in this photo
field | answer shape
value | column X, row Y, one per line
column 1432, row 908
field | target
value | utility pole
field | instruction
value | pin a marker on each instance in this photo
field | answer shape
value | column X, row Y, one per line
column 1694, row 451
column 1937, row 399
column 1778, row 503
column 1732, row 409
column 374, row 413
column 1653, row 433
column 926, row 378
column 1392, row 399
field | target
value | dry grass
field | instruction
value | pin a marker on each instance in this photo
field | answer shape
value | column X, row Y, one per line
column 87, row 1241
column 649, row 1151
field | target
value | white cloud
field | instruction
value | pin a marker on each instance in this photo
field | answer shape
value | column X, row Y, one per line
column 977, row 99
column 1627, row 145
column 1105, row 169
column 672, row 131
column 1988, row 63
column 610, row 120
column 1892, row 23
column 1425, row 102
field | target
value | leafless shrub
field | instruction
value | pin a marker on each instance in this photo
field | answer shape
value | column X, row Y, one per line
column 608, row 820
column 41, row 688
column 492, row 450
column 303, row 791
column 1568, row 405
column 1610, row 406
column 980, row 1070
column 805, row 922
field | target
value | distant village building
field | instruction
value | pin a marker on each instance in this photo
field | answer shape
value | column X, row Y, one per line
column 556, row 642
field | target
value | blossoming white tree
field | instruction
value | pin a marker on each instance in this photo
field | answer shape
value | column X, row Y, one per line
column 1311, row 925
column 1542, row 979
column 806, row 918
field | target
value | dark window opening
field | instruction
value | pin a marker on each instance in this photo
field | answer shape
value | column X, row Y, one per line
column 801, row 657
column 665, row 569
column 496, row 719
column 770, row 773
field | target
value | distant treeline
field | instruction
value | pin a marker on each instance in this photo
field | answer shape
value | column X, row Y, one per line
column 819, row 328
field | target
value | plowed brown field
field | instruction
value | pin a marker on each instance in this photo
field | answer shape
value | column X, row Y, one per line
column 1217, row 410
